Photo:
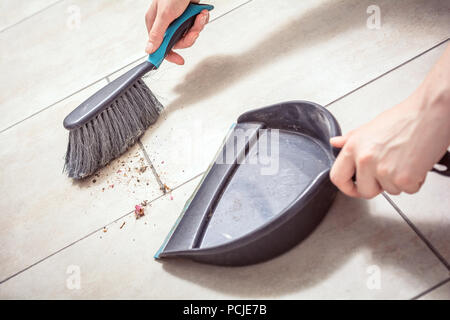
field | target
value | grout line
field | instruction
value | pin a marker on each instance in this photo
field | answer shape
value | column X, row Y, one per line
column 431, row 289
column 93, row 232
column 30, row 16
column 417, row 231
column 235, row 8
column 52, row 254
column 70, row 95
column 48, row 107
column 125, row 66
column 387, row 72
column 162, row 185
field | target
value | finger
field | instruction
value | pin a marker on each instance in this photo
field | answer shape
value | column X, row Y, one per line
column 193, row 33
column 338, row 142
column 342, row 172
column 187, row 41
column 388, row 186
column 156, row 34
column 175, row 58
column 200, row 21
column 150, row 16
column 366, row 183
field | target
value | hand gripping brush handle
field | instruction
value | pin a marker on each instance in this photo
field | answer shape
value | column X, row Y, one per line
column 111, row 120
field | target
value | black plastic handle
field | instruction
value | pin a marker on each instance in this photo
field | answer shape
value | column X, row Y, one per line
column 445, row 161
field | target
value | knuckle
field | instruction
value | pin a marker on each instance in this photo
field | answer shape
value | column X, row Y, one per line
column 365, row 158
column 166, row 13
column 153, row 35
column 368, row 195
column 407, row 182
column 383, row 171
column 333, row 177
column 349, row 146
column 413, row 187
column 393, row 191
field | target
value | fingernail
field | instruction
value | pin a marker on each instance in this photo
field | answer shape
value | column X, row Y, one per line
column 149, row 47
column 205, row 18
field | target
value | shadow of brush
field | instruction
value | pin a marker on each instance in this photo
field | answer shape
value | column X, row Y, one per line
column 348, row 230
column 314, row 26
column 218, row 72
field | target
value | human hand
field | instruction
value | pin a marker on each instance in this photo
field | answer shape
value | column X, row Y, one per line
column 159, row 16
column 395, row 151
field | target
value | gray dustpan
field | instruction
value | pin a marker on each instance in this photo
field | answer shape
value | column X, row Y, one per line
column 266, row 191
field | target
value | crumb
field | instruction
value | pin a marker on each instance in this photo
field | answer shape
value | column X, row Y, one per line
column 94, row 181
column 103, row 189
column 144, row 203
column 166, row 188
column 143, row 169
column 171, row 197
column 122, row 225
column 104, row 229
column 111, row 186
column 138, row 211
column 162, row 162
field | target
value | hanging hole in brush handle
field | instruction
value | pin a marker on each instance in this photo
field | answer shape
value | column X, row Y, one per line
column 176, row 30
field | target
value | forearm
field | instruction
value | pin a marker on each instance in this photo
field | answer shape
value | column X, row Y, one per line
column 434, row 94
column 435, row 89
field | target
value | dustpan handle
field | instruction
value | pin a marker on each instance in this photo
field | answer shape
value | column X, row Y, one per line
column 176, row 30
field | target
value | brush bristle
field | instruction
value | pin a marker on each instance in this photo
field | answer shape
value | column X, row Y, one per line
column 111, row 132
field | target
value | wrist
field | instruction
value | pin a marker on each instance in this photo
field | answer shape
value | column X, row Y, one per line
column 434, row 96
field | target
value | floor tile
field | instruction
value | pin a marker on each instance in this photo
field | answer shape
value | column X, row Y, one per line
column 42, row 209
column 318, row 51
column 59, row 51
column 441, row 293
column 13, row 11
column 358, row 243
column 430, row 206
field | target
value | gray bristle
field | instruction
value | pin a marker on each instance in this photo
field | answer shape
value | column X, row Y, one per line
column 111, row 132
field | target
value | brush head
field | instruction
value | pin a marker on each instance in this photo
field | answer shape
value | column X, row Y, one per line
column 112, row 131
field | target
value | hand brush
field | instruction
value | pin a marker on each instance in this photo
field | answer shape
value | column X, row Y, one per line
column 110, row 121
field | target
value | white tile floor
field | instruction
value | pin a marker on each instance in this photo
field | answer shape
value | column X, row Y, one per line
column 247, row 57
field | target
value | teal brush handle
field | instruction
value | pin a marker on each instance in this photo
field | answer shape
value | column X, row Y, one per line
column 176, row 31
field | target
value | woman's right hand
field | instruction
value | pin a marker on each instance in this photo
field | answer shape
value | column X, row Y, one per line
column 159, row 16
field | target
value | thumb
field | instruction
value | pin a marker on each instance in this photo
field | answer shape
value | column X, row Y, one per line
column 338, row 142
column 156, row 34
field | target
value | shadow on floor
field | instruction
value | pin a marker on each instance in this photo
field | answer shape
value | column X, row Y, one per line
column 347, row 230
column 316, row 25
